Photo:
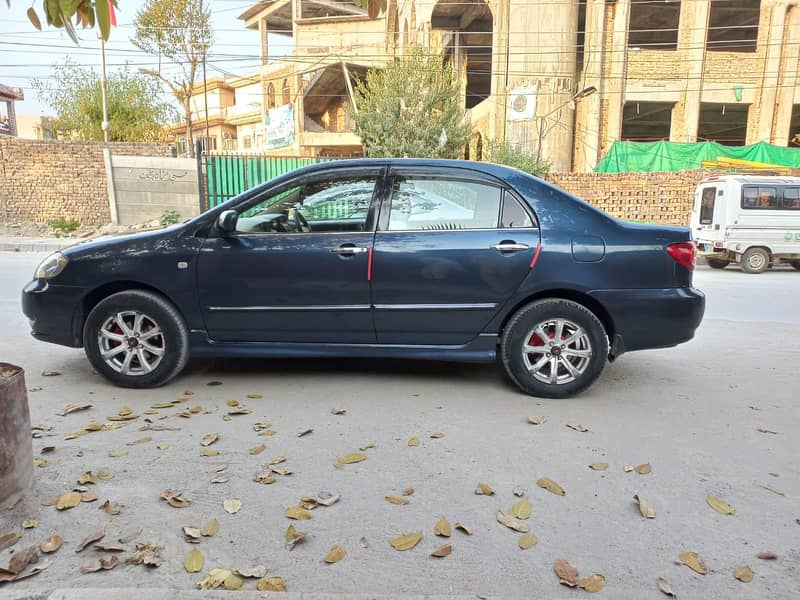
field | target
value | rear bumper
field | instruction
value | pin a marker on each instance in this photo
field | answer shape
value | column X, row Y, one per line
column 51, row 310
column 652, row 318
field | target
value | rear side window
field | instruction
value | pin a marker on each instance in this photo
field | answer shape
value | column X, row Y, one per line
column 791, row 199
column 759, row 198
column 513, row 213
column 707, row 205
column 426, row 203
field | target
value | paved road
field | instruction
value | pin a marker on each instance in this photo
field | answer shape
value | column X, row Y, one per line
column 692, row 412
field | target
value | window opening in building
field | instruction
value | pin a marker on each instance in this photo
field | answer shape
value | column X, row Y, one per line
column 653, row 24
column 723, row 123
column 733, row 26
column 646, row 121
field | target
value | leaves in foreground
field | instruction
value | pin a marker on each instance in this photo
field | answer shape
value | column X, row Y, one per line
column 520, row 509
column 51, row 544
column 594, row 583
column 232, row 505
column 175, row 498
column 396, row 500
column 95, row 536
column 293, row 537
column 484, row 489
column 720, row 506
column 104, row 564
column 352, row 457
column 146, row 554
column 193, row 563
column 743, row 574
column 442, row 551
column 297, row 513
column 273, row 584
column 511, row 522
column 407, row 541
column 527, row 541
column 442, row 528
column 598, row 466
column 648, row 512
column 550, row 486
column 335, row 554
column 537, row 420
column 693, row 561
column 567, row 573
column 666, row 588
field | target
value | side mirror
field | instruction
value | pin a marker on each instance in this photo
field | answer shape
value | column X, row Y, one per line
column 226, row 222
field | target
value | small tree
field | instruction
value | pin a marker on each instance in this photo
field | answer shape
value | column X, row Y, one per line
column 137, row 110
column 180, row 31
column 411, row 108
column 504, row 153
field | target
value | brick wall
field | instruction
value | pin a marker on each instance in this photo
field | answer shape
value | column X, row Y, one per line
column 43, row 181
column 659, row 197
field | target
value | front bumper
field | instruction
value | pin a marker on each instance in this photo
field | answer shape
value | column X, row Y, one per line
column 658, row 318
column 53, row 312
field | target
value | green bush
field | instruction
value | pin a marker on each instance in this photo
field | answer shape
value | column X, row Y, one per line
column 169, row 217
column 65, row 226
column 504, row 153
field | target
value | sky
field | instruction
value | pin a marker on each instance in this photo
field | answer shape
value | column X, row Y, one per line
column 27, row 54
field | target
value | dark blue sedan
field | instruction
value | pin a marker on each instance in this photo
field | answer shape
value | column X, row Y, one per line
column 430, row 259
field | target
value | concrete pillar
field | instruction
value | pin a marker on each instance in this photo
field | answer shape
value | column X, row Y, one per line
column 614, row 92
column 543, row 37
column 263, row 35
column 692, row 46
column 587, row 111
column 788, row 82
column 775, row 22
column 499, row 86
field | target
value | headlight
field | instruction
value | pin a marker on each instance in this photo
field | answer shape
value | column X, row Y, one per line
column 51, row 266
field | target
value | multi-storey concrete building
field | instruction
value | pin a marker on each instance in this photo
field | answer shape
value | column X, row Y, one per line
column 561, row 78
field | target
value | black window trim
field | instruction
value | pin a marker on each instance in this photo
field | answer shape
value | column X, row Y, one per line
column 778, row 196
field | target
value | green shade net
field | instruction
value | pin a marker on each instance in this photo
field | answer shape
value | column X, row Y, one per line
column 651, row 157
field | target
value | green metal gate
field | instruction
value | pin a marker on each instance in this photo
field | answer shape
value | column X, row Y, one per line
column 228, row 175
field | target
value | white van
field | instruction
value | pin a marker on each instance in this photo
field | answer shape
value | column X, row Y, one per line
column 751, row 220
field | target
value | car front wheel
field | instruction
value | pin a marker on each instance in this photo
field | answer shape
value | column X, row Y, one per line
column 554, row 348
column 755, row 260
column 717, row 263
column 136, row 339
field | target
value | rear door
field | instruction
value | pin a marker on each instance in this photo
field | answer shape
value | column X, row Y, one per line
column 449, row 250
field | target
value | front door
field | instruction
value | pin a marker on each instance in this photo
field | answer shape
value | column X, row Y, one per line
column 448, row 253
column 295, row 270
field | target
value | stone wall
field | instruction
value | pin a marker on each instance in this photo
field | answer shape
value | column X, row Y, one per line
column 658, row 197
column 44, row 181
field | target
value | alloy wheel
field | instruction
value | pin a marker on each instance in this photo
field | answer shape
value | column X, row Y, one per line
column 557, row 351
column 131, row 343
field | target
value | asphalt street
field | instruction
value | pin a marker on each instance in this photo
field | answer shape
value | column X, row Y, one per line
column 718, row 416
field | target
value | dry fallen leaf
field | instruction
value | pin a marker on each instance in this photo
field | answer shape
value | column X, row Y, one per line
column 207, row 452
column 277, row 460
column 414, row 441
column 209, row 439
column 484, row 490
column 256, row 572
column 146, row 554
column 338, row 411
column 22, row 559
column 407, row 541
column 232, row 505
column 442, row 528
column 743, row 574
column 210, row 529
column 327, row 498
column 108, row 548
column 335, row 554
column 105, row 564
column 30, row 523
column 643, row 469
column 95, row 536
column 232, row 403
column 577, row 426
column 767, row 555
column 175, row 498
column 518, row 491
column 769, row 488
column 366, row 447
column 363, row 542
column 442, row 551
column 353, row 457
column 9, row 539
column 527, row 541
column 297, row 513
column 193, row 563
column 105, row 475
column 721, row 507
column 220, row 479
column 51, row 544
column 109, row 508
column 254, row 396
column 117, row 453
column 593, row 583
column 214, row 578
column 628, row 468
column 511, row 522
column 598, row 466
column 273, row 584
column 304, row 432
column 88, row 496
column 537, row 420
column 395, row 500
column 437, row 435
column 162, row 405
column 192, row 534
column 143, row 440
column 648, row 512
column 550, row 486
column 408, row 492
column 71, row 408
column 465, row 528
column 293, row 537
column 68, row 500
column 256, row 450
column 240, row 411
column 520, row 509
column 567, row 573
column 693, row 561
column 665, row 588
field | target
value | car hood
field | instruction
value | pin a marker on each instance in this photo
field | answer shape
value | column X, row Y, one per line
column 125, row 243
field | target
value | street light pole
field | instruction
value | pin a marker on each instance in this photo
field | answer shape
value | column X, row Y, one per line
column 542, row 121
column 104, row 89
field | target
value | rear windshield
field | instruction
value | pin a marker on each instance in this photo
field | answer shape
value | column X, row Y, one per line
column 707, row 205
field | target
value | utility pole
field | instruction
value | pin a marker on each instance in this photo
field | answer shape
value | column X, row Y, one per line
column 104, row 89
column 205, row 100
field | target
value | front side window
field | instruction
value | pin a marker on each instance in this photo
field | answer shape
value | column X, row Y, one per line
column 791, row 199
column 331, row 205
column 759, row 197
column 428, row 203
column 707, row 205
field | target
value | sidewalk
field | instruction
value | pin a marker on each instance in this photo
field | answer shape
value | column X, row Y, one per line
column 11, row 243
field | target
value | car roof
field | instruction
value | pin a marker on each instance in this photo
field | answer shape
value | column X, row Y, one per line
column 500, row 171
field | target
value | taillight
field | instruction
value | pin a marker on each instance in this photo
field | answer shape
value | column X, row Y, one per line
column 683, row 253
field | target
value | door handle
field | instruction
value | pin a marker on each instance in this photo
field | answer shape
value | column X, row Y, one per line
column 349, row 250
column 509, row 247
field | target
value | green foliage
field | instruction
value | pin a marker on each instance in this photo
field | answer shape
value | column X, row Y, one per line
column 504, row 153
column 137, row 110
column 403, row 108
column 65, row 226
column 67, row 14
column 169, row 217
column 179, row 30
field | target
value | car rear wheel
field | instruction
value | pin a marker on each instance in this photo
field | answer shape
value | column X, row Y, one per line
column 716, row 263
column 755, row 260
column 554, row 348
column 795, row 264
column 136, row 339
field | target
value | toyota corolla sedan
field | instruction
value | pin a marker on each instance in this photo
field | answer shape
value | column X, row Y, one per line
column 394, row 258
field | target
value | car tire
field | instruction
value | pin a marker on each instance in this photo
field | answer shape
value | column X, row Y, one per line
column 716, row 263
column 755, row 260
column 527, row 369
column 795, row 264
column 136, row 339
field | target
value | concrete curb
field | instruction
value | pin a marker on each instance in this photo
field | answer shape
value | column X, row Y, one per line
column 183, row 594
column 10, row 244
